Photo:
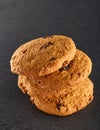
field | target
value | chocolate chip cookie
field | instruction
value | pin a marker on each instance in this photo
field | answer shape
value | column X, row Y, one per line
column 63, row 102
column 43, row 56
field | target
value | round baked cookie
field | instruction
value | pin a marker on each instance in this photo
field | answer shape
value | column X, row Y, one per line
column 68, row 103
column 64, row 103
column 43, row 56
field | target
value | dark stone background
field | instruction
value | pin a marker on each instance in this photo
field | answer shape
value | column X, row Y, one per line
column 23, row 20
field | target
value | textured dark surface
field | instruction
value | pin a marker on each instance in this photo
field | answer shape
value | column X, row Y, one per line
column 23, row 20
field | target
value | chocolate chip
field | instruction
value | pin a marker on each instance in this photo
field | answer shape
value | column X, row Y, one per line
column 90, row 99
column 61, row 69
column 24, row 51
column 21, row 84
column 47, row 45
column 79, row 74
column 58, row 105
column 39, row 82
column 52, row 59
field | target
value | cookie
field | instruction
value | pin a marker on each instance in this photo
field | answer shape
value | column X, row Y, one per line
column 68, row 103
column 43, row 56
column 64, row 103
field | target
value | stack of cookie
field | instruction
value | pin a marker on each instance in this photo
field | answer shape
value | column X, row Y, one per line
column 54, row 74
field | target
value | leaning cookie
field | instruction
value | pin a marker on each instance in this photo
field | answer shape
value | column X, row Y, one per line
column 64, row 103
column 43, row 56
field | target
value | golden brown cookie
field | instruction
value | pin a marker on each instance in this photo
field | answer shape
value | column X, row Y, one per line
column 64, row 103
column 43, row 56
